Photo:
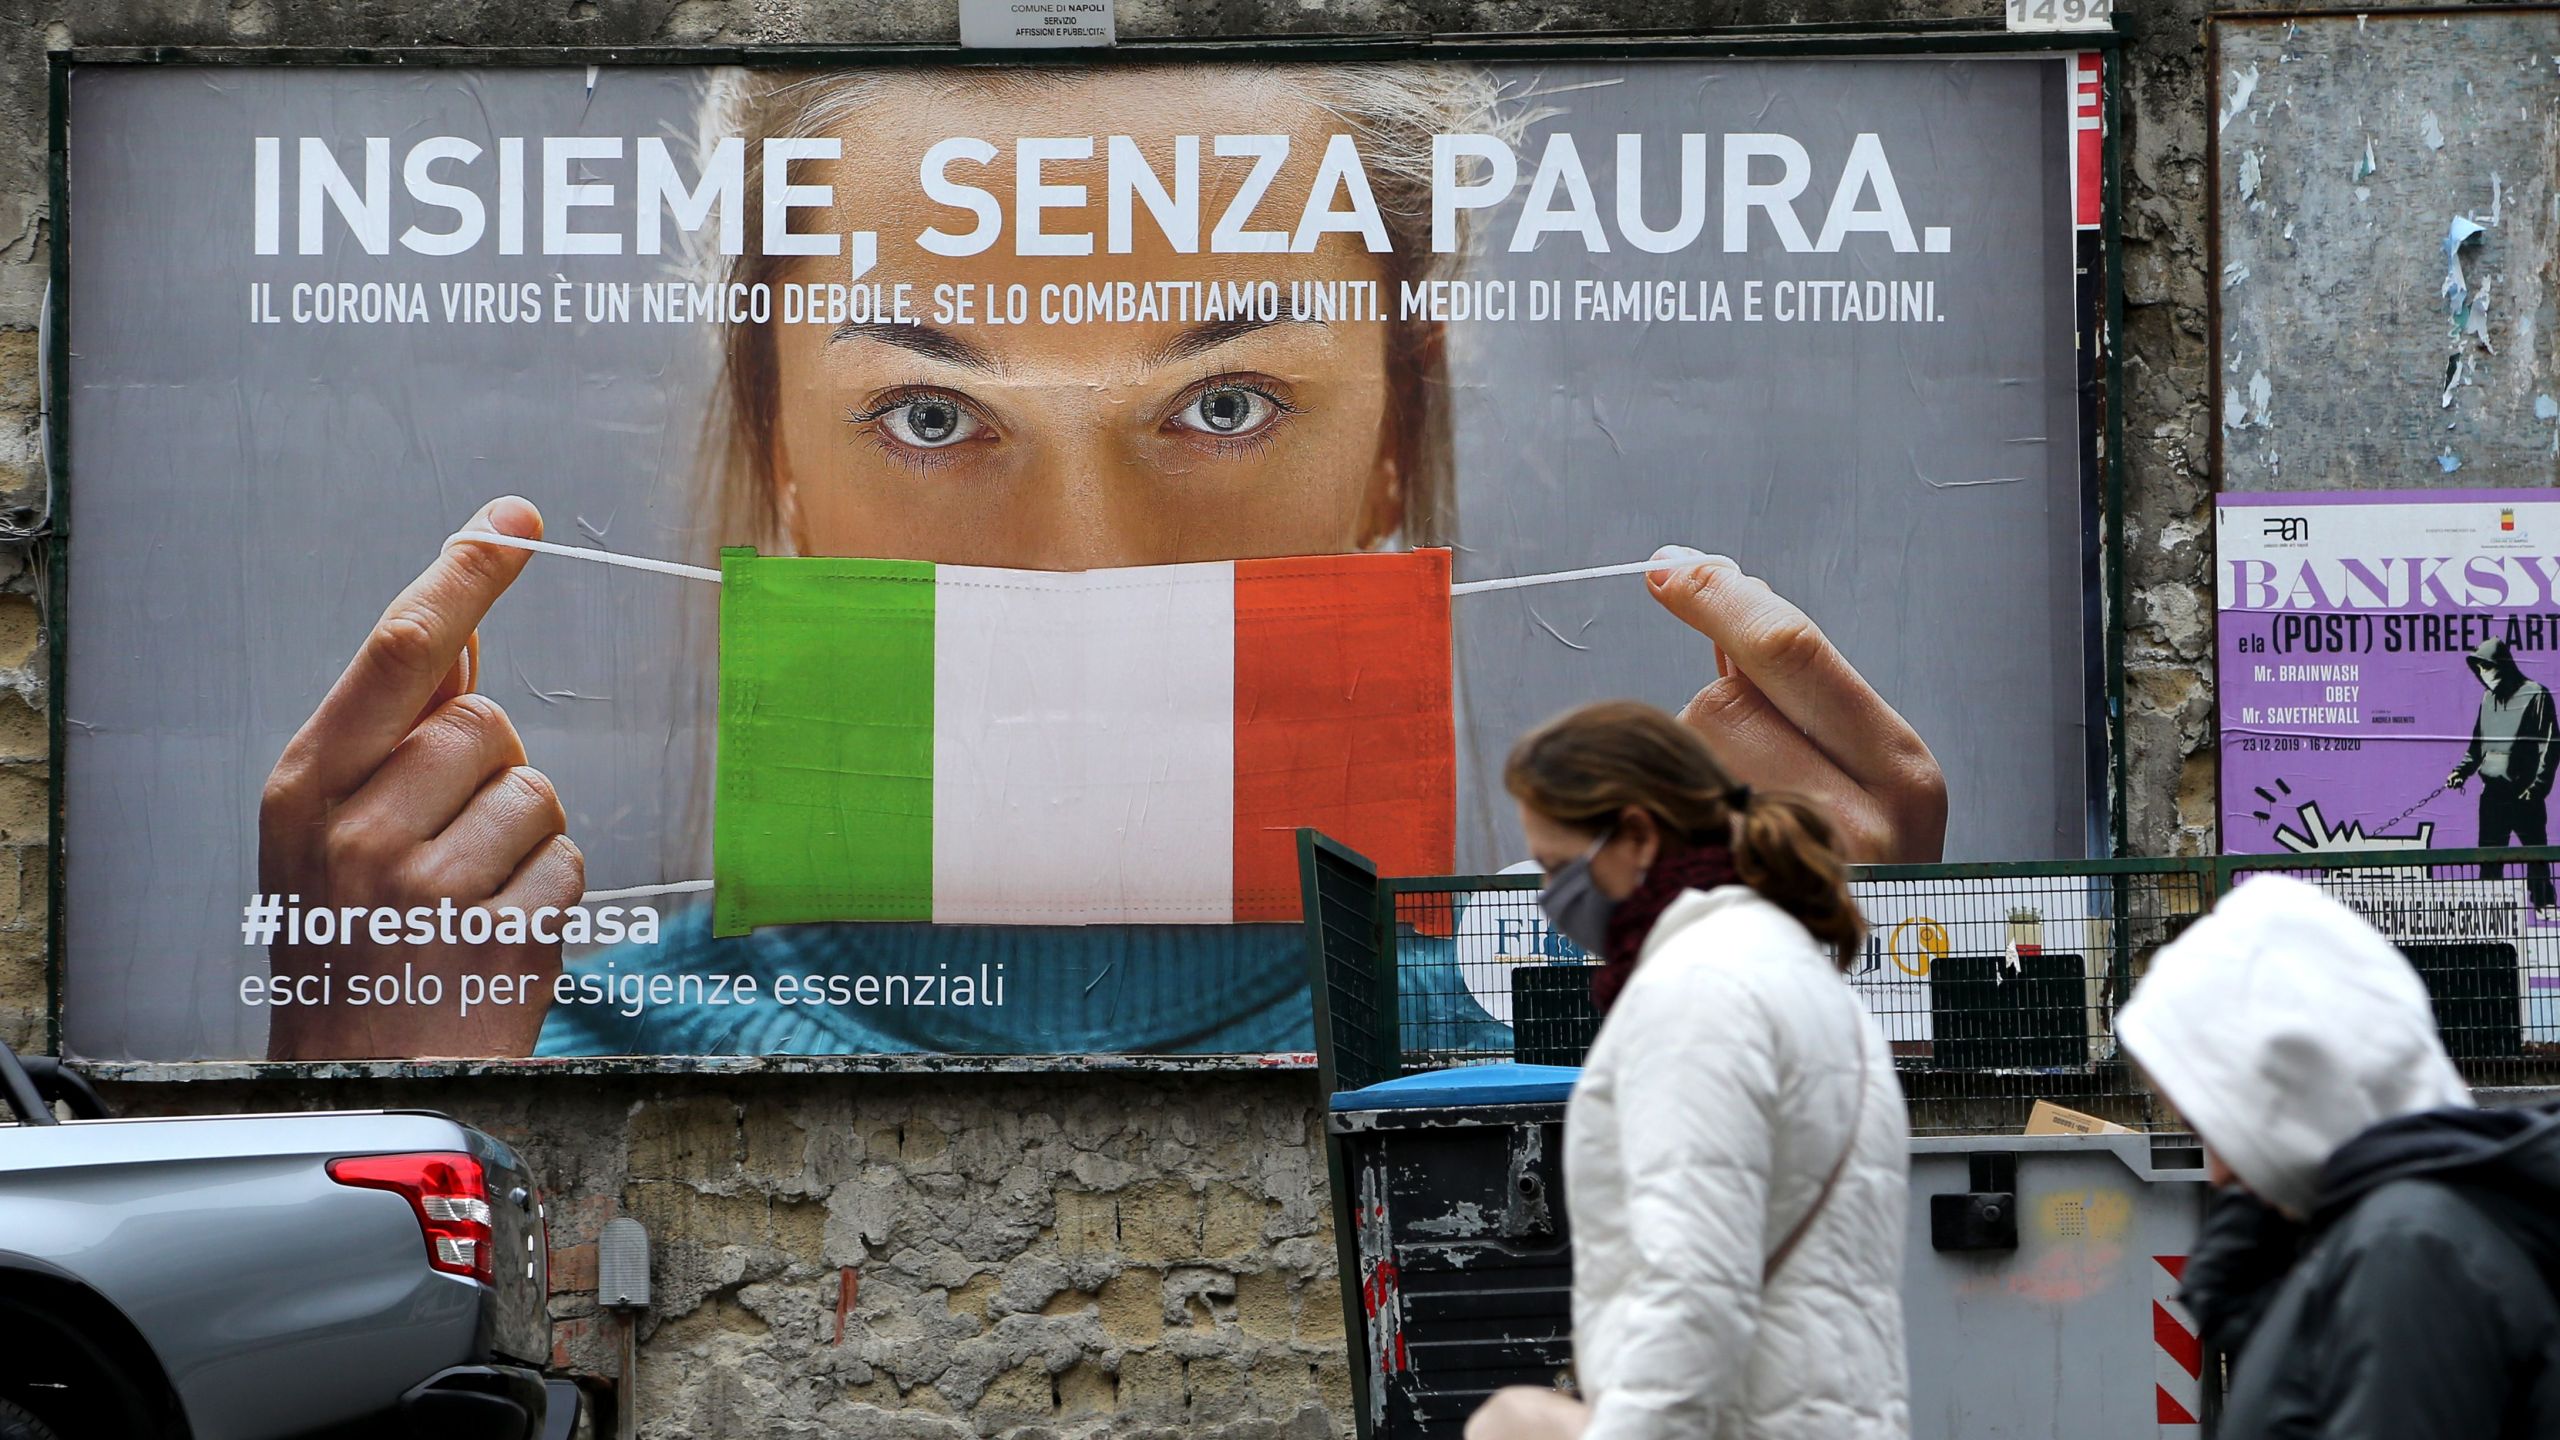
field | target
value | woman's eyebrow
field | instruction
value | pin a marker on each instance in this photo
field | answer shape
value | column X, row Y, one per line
column 1209, row 335
column 924, row 340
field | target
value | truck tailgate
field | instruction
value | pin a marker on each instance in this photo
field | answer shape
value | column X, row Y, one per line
column 276, row 1298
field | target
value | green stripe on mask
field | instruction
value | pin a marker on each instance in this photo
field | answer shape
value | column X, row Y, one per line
column 824, row 799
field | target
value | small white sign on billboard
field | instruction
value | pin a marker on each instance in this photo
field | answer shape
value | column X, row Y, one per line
column 1035, row 24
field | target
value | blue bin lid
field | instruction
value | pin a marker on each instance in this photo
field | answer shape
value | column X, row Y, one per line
column 1504, row 1084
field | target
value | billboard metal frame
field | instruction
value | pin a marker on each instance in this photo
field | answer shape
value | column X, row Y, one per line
column 2102, row 499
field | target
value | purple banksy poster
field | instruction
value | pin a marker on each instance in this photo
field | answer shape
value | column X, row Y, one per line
column 2386, row 669
column 2387, row 672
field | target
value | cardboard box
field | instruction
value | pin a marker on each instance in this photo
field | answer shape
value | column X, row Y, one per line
column 2051, row 1119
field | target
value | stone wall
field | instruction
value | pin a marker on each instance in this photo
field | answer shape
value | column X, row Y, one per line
column 928, row 1256
column 954, row 1255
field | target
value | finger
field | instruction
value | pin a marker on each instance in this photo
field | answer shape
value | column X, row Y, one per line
column 292, row 807
column 1762, row 748
column 1757, row 745
column 1787, row 657
column 462, row 679
column 1679, row 557
column 411, row 651
column 509, row 818
column 554, row 874
column 434, row 773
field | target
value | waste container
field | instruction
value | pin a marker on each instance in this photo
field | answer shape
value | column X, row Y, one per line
column 2039, row 1274
column 1455, row 1231
column 2039, row 1282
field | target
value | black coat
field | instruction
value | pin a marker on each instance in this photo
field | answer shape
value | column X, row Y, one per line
column 2420, row 1302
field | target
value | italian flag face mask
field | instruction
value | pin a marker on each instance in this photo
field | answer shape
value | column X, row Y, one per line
column 902, row 741
column 960, row 744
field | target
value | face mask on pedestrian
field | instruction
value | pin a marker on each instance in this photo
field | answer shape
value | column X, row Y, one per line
column 1574, row 902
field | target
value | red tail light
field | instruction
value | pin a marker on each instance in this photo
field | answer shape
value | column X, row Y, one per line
column 448, row 1193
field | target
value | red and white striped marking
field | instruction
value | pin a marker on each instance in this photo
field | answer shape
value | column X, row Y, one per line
column 2178, row 1349
column 2087, row 122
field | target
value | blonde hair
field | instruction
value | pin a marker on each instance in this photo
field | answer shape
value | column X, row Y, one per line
column 1391, row 110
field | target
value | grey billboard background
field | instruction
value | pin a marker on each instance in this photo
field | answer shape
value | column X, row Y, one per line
column 2345, row 151
column 246, row 498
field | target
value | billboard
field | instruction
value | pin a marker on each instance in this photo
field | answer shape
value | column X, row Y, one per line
column 943, row 528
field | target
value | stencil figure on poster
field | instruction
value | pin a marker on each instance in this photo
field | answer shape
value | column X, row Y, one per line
column 2514, row 753
column 2312, row 831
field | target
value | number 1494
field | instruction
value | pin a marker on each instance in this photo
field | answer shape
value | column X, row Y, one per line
column 2061, row 14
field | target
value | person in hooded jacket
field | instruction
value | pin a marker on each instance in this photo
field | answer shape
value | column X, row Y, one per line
column 1736, row 1151
column 2515, row 750
column 2387, row 1265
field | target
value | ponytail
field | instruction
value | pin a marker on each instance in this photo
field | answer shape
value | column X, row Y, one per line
column 1586, row 767
column 1783, row 848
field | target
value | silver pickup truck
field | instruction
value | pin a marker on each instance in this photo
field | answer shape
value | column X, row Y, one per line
column 238, row 1277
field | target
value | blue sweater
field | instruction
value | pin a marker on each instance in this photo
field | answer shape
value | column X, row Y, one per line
column 884, row 989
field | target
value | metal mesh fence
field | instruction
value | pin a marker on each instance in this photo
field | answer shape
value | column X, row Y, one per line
column 2470, row 924
column 1997, row 984
column 1352, row 973
column 1999, row 990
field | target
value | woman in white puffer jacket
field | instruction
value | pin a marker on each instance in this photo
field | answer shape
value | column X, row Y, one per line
column 1736, row 1153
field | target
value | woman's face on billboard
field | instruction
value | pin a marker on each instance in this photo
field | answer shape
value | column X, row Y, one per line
column 1071, row 446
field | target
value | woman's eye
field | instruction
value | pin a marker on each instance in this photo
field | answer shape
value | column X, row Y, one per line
column 1227, row 410
column 930, row 422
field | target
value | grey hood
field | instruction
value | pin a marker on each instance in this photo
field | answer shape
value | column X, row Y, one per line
column 2495, row 656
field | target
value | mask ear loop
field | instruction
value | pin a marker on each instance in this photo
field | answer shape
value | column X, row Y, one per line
column 601, row 557
column 1558, row 577
column 628, row 562
column 697, row 572
column 1592, row 851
